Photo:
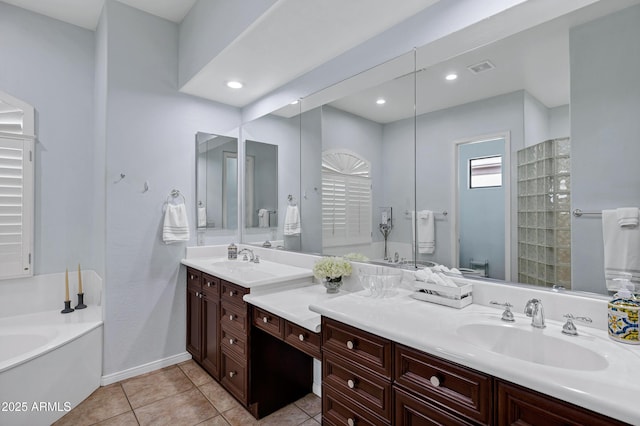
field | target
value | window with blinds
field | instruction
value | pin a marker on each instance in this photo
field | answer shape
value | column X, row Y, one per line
column 346, row 199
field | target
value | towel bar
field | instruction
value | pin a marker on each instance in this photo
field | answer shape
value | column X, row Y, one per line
column 578, row 213
column 408, row 213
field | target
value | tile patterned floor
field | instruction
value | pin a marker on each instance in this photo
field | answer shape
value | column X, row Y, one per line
column 183, row 395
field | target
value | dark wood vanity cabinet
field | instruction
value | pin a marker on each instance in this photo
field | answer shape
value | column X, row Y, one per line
column 203, row 326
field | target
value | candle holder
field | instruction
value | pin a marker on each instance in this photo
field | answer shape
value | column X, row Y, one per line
column 67, row 307
column 81, row 304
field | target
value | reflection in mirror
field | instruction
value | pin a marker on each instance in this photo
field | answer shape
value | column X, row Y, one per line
column 216, row 181
column 261, row 185
column 549, row 90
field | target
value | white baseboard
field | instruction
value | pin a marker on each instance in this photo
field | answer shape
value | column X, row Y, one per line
column 145, row 368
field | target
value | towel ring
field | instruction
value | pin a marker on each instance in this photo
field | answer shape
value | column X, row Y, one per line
column 176, row 193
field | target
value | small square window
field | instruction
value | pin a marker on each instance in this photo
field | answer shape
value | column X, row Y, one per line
column 485, row 172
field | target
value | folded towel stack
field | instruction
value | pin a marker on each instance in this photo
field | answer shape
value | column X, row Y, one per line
column 176, row 225
column 621, row 247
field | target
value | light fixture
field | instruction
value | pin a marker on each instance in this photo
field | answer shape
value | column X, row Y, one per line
column 381, row 101
column 234, row 84
column 451, row 77
column 294, row 102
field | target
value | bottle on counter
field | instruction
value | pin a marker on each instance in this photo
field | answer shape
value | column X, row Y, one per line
column 232, row 252
column 623, row 315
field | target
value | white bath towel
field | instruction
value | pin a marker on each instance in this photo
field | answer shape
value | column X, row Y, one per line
column 202, row 217
column 292, row 221
column 628, row 216
column 426, row 231
column 263, row 218
column 176, row 225
column 621, row 251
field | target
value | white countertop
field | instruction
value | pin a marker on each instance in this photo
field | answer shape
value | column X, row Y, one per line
column 293, row 304
column 612, row 391
column 247, row 274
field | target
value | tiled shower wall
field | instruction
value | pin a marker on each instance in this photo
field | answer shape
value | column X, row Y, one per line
column 544, row 217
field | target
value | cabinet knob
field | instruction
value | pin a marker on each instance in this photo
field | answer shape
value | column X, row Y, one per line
column 351, row 383
column 192, row 277
column 265, row 320
column 232, row 293
column 232, row 341
column 350, row 344
column 435, row 381
column 232, row 374
column 208, row 284
column 351, row 422
column 197, row 294
column 231, row 317
column 301, row 337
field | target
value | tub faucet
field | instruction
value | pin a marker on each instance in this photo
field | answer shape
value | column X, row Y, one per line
column 534, row 309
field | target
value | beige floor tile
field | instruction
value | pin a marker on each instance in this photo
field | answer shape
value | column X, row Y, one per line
column 196, row 373
column 289, row 415
column 310, row 404
column 145, row 389
column 310, row 422
column 186, row 408
column 216, row 421
column 219, row 397
column 239, row 417
column 104, row 403
column 318, row 418
column 126, row 419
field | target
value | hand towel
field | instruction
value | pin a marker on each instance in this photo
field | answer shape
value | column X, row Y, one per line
column 176, row 226
column 621, row 251
column 202, row 217
column 628, row 216
column 426, row 231
column 292, row 221
column 263, row 218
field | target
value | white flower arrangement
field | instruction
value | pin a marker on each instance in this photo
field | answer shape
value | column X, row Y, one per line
column 331, row 268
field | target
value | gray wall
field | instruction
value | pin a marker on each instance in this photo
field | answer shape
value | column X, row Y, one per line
column 50, row 65
column 265, row 191
column 311, row 180
column 605, row 133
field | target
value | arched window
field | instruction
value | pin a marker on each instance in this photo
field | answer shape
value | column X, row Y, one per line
column 346, row 199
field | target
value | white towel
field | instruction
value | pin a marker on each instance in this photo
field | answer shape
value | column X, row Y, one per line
column 263, row 218
column 202, row 217
column 621, row 251
column 176, row 226
column 292, row 221
column 628, row 216
column 426, row 231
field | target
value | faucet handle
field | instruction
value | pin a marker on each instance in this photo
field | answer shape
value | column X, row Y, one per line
column 530, row 307
column 256, row 259
column 507, row 315
column 569, row 327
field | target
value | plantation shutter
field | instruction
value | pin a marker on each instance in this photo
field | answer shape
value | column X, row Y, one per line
column 16, row 206
column 346, row 200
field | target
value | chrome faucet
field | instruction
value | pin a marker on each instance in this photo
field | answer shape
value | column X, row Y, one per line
column 534, row 309
column 245, row 251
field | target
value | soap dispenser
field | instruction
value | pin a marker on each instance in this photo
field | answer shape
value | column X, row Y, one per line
column 623, row 315
column 232, row 252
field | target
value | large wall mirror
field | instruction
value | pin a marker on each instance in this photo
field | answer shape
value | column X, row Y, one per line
column 550, row 113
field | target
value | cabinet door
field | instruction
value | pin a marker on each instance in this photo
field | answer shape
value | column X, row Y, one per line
column 194, row 321
column 210, row 333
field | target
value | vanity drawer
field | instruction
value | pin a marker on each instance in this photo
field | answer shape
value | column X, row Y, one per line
column 234, row 317
column 234, row 342
column 232, row 293
column 410, row 410
column 211, row 286
column 361, row 385
column 268, row 322
column 464, row 391
column 193, row 277
column 234, row 376
column 303, row 339
column 338, row 411
column 362, row 348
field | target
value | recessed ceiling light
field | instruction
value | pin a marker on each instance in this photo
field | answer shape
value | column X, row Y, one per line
column 234, row 84
column 451, row 77
column 381, row 101
column 295, row 102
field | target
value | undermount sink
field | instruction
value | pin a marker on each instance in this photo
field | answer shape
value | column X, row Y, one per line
column 532, row 346
column 233, row 265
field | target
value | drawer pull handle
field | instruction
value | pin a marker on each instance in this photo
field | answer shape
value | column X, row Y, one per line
column 350, row 344
column 351, row 383
column 232, row 374
column 301, row 337
column 208, row 284
column 265, row 320
column 232, row 341
column 351, row 422
column 435, row 381
column 197, row 294
column 231, row 317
